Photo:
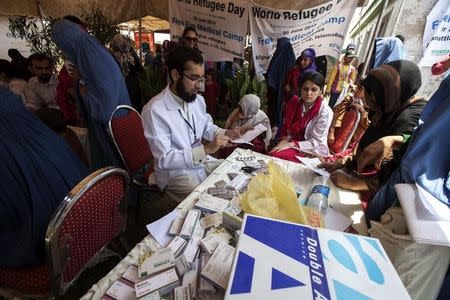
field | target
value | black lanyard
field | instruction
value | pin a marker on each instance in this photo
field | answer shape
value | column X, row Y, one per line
column 189, row 124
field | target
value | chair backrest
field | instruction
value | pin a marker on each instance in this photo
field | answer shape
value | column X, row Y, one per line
column 91, row 215
column 128, row 136
column 343, row 135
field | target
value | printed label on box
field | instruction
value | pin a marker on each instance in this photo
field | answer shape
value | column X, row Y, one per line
column 121, row 291
column 161, row 282
column 281, row 260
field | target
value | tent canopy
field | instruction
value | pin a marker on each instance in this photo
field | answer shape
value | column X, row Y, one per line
column 123, row 10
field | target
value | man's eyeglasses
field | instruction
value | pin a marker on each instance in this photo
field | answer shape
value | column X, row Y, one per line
column 191, row 39
column 200, row 79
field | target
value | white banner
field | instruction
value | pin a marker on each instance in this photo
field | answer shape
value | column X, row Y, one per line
column 322, row 28
column 221, row 25
column 436, row 37
column 8, row 41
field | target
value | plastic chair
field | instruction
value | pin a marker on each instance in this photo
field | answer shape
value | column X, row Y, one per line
column 128, row 136
column 90, row 216
column 344, row 134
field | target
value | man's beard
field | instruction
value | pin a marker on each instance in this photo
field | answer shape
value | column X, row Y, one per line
column 44, row 78
column 183, row 94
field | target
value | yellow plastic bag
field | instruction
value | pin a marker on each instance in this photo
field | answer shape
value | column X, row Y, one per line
column 274, row 196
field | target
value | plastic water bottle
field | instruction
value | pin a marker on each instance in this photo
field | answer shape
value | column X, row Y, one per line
column 318, row 197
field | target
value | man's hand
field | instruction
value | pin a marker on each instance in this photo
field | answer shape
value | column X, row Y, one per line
column 377, row 151
column 237, row 132
column 218, row 142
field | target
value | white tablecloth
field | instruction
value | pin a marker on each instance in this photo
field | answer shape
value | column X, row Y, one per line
column 347, row 203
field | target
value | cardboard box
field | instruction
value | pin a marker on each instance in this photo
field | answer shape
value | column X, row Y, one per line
column 218, row 268
column 177, row 245
column 211, row 204
column 163, row 282
column 210, row 243
column 190, row 221
column 121, row 290
column 281, row 260
column 132, row 274
column 182, row 293
column 161, row 260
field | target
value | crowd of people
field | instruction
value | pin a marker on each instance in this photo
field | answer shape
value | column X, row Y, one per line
column 391, row 139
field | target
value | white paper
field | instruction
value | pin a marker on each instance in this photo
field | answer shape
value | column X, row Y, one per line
column 421, row 230
column 334, row 220
column 160, row 228
column 250, row 135
column 432, row 208
column 312, row 163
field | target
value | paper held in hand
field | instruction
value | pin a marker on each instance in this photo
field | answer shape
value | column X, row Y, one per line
column 312, row 164
column 250, row 135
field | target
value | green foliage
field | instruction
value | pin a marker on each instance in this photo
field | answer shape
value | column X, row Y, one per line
column 244, row 83
column 100, row 25
column 152, row 82
column 37, row 33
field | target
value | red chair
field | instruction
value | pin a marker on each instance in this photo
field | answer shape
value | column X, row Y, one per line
column 344, row 134
column 91, row 215
column 128, row 135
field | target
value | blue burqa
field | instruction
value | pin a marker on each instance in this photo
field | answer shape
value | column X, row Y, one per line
column 427, row 161
column 105, row 85
column 282, row 61
column 388, row 49
column 37, row 171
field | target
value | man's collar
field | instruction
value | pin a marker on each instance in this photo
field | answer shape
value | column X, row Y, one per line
column 172, row 100
column 177, row 99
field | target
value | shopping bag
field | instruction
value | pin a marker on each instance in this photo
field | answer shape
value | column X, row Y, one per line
column 273, row 195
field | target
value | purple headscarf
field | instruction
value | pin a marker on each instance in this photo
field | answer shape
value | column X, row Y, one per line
column 308, row 53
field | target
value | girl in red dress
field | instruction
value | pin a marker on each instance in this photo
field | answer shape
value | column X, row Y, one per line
column 306, row 121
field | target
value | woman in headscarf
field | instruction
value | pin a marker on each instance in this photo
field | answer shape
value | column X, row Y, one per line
column 426, row 161
column 390, row 97
column 249, row 114
column 307, row 120
column 388, row 49
column 102, row 87
column 281, row 62
column 305, row 63
column 130, row 66
column 38, row 169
